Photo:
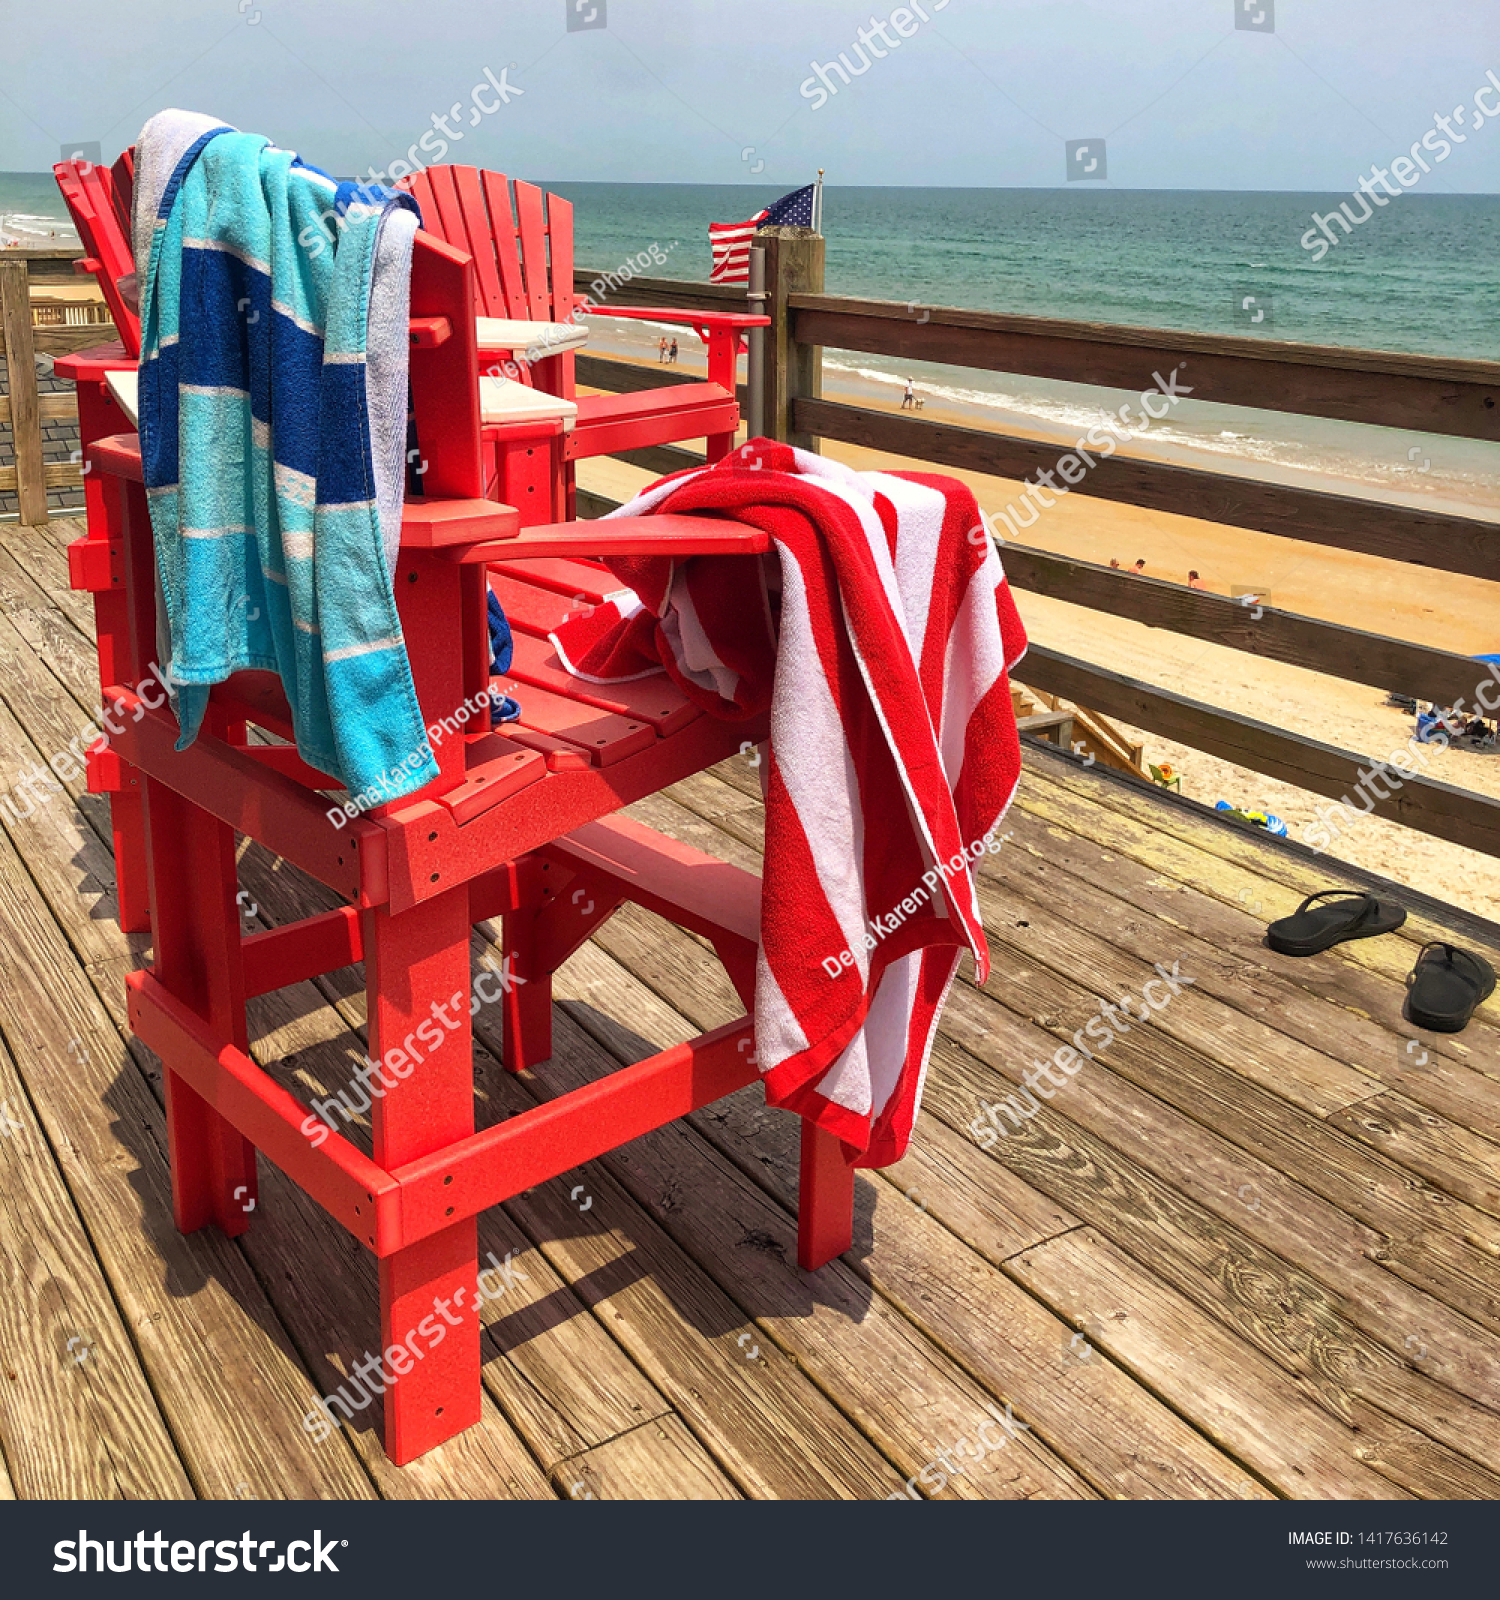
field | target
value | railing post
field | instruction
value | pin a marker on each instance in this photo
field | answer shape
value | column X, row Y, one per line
column 794, row 265
column 25, row 411
column 755, row 366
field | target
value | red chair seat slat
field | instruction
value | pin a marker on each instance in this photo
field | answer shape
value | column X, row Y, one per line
column 527, row 609
column 604, row 736
column 584, row 580
column 558, row 754
column 497, row 769
column 655, row 700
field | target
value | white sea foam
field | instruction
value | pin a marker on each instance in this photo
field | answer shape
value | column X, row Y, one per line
column 1068, row 420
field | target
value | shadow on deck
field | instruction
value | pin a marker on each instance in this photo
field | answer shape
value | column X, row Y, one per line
column 1251, row 1248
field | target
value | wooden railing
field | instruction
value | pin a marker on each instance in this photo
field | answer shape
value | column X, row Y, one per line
column 23, row 336
column 1421, row 393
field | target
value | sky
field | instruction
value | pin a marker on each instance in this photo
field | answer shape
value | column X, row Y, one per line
column 1304, row 95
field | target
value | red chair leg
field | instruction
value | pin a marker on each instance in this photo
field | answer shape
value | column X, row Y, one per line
column 191, row 869
column 97, row 417
column 420, row 1077
column 427, row 1311
column 127, row 821
column 825, row 1199
column 527, row 1003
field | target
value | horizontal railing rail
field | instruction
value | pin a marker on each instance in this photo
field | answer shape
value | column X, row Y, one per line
column 1260, row 630
column 642, row 291
column 1425, row 804
column 1347, row 522
column 1430, row 393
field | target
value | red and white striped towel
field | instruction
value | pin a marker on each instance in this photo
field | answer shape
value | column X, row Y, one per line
column 881, row 640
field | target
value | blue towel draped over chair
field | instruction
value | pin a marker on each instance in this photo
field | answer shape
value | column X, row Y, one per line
column 273, row 421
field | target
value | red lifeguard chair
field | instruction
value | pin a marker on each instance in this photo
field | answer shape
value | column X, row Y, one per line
column 518, row 818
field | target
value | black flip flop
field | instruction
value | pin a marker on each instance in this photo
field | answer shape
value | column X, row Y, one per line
column 1447, row 986
column 1308, row 930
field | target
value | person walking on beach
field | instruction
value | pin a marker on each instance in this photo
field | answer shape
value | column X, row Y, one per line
column 1114, row 561
column 1195, row 582
column 1139, row 569
column 909, row 396
column 661, row 351
column 672, row 354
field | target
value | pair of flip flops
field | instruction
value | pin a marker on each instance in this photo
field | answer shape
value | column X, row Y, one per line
column 1444, row 989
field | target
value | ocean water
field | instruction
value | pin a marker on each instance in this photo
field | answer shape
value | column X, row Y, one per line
column 1421, row 276
column 32, row 212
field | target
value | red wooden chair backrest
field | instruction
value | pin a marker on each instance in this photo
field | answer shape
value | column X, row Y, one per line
column 98, row 200
column 522, row 249
column 123, row 172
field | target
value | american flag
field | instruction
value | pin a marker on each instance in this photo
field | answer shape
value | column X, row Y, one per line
column 730, row 241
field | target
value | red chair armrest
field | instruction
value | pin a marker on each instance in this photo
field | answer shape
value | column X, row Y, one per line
column 698, row 319
column 456, row 525
column 722, row 331
column 83, row 366
column 667, row 535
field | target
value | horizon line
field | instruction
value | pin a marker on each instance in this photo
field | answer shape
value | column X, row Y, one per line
column 1108, row 187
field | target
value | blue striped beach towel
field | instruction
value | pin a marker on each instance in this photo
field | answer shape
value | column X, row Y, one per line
column 273, row 404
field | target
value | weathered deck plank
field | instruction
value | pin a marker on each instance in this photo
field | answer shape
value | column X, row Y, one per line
column 906, row 1396
column 227, row 1381
column 1277, row 1234
column 1233, row 933
column 1239, row 1398
column 1119, row 1436
column 660, row 1460
column 69, row 1367
column 1124, row 1131
column 1248, row 976
column 42, row 554
column 1231, row 863
column 1212, row 1221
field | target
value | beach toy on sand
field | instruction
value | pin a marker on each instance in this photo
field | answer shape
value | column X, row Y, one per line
column 1260, row 819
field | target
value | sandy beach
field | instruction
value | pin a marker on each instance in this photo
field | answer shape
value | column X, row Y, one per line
column 1407, row 602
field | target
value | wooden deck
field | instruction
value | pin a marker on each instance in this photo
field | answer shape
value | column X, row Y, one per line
column 1251, row 1251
